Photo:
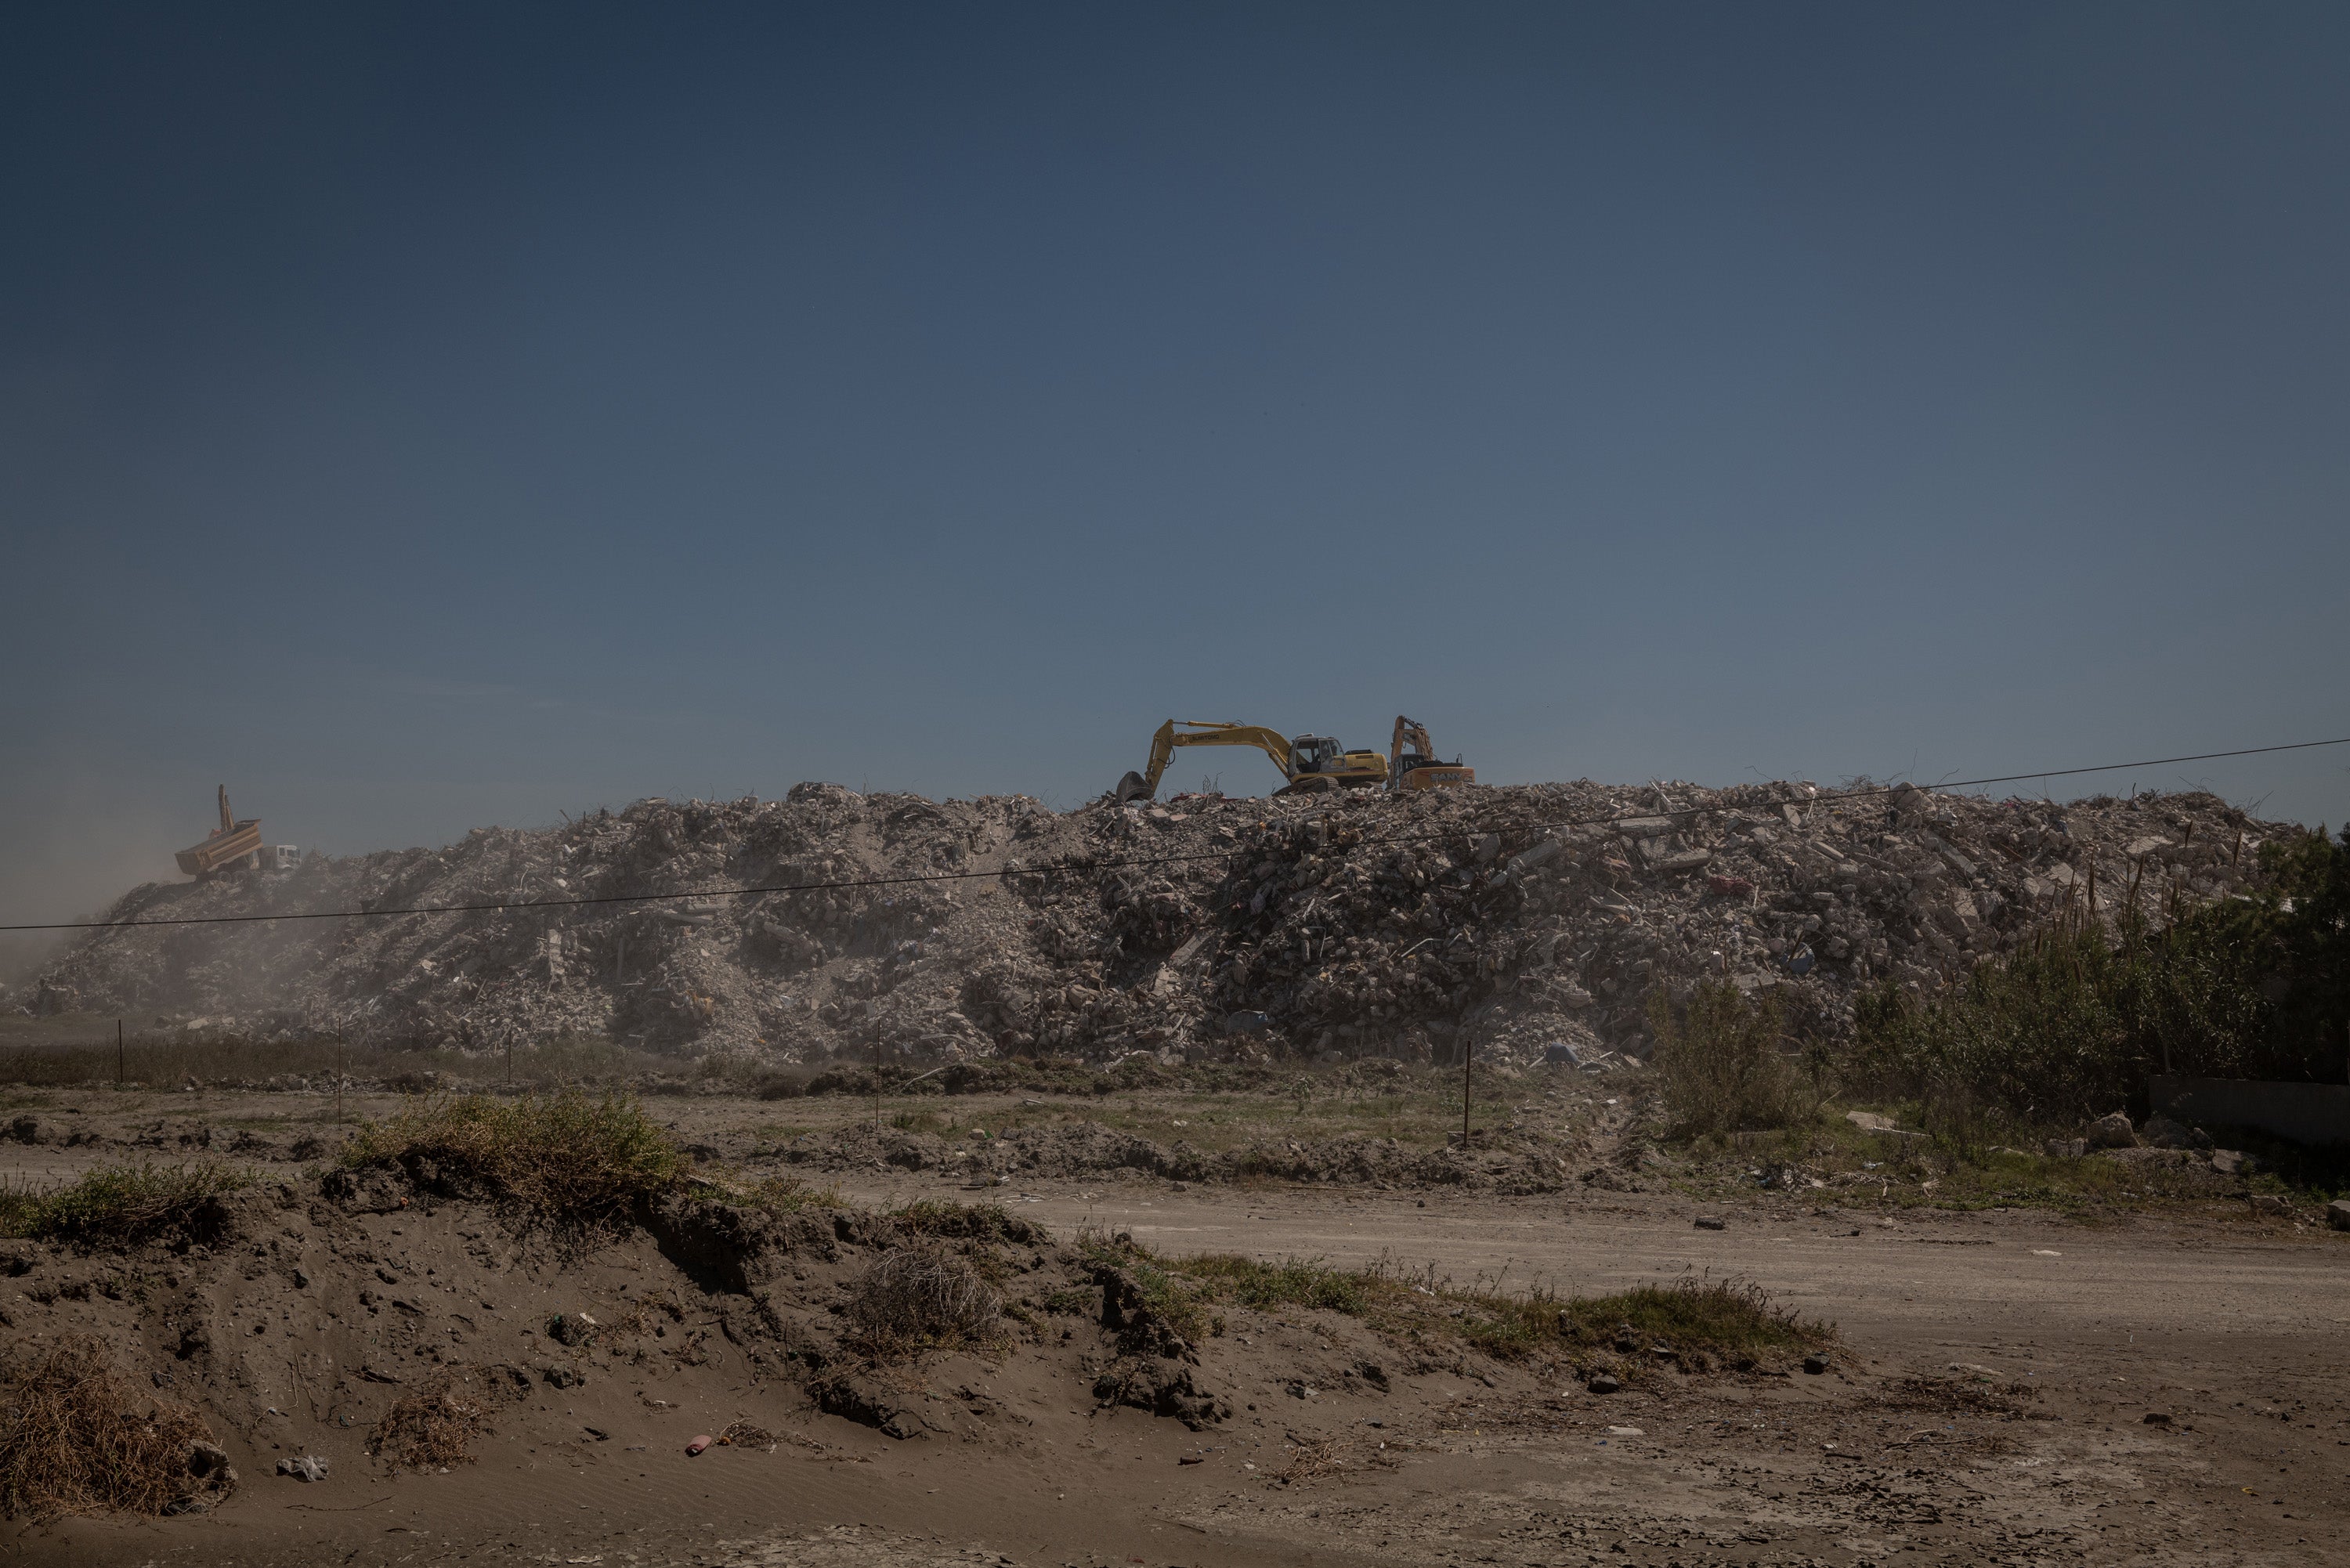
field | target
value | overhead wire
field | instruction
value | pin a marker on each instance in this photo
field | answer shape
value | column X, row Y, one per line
column 1094, row 865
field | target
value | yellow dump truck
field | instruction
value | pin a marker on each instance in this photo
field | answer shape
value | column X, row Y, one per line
column 230, row 844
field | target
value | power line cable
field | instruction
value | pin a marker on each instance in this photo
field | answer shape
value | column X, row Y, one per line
column 1140, row 863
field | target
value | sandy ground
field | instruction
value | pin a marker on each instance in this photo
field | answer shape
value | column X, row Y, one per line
column 1911, row 1448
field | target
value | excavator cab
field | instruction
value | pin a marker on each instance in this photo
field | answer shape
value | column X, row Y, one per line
column 1320, row 762
column 1314, row 755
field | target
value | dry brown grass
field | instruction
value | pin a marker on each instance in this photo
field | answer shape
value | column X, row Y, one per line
column 743, row 1434
column 73, row 1439
column 1311, row 1458
column 429, row 1426
column 919, row 1297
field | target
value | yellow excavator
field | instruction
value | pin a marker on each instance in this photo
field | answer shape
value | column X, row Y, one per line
column 1418, row 768
column 1307, row 763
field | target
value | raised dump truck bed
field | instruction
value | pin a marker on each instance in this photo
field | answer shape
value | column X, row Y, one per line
column 230, row 842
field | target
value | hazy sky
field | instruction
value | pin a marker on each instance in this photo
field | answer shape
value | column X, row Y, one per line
column 419, row 418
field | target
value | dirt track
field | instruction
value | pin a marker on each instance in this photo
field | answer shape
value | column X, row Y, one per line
column 1909, row 1281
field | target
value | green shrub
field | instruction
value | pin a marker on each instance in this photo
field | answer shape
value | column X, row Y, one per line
column 1720, row 1063
column 2073, row 1025
column 1178, row 1301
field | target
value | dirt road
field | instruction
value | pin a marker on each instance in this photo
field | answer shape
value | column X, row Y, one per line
column 1907, row 1281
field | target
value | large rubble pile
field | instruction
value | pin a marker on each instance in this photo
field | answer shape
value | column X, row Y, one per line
column 1515, row 918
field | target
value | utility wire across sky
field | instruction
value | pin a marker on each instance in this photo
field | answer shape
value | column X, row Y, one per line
column 1066, row 867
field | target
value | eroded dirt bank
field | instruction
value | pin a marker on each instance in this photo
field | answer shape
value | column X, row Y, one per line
column 1989, row 1400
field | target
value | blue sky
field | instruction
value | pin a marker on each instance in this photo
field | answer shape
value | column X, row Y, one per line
column 421, row 417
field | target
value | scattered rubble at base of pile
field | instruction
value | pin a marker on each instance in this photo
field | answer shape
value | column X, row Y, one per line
column 1507, row 1160
column 1526, row 918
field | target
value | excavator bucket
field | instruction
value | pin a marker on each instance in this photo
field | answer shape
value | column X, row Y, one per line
column 1133, row 786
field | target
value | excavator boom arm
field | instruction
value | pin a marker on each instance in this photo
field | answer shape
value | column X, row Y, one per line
column 1204, row 732
column 1411, row 733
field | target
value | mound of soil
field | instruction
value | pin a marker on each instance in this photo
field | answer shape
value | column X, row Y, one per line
column 353, row 1326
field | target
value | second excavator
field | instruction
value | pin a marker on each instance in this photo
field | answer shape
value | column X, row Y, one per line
column 1418, row 768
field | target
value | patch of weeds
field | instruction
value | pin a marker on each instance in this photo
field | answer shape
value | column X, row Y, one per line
column 1959, row 1173
column 1163, row 1290
column 1245, row 1281
column 963, row 1222
column 120, row 1205
column 1699, row 1323
column 1720, row 1064
column 1072, row 1301
column 570, row 1158
column 1310, row 1459
column 771, row 1194
column 77, row 1438
column 429, row 1426
column 786, row 1083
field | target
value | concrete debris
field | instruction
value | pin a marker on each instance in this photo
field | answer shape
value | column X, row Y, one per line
column 1353, row 925
column 2111, row 1132
column 2161, row 1132
column 572, row 1328
column 303, row 1467
column 1881, row 1125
